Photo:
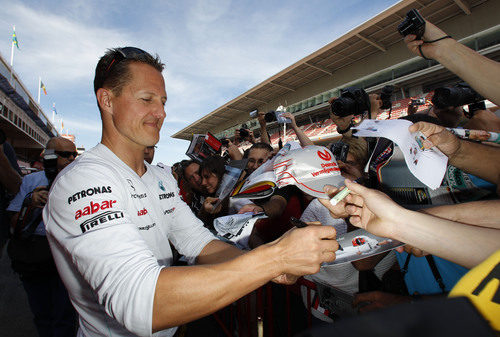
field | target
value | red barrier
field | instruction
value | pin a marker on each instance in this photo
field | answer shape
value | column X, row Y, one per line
column 242, row 318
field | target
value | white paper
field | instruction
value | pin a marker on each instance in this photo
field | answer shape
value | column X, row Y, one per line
column 427, row 165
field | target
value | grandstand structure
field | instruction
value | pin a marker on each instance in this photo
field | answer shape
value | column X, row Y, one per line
column 370, row 56
column 21, row 118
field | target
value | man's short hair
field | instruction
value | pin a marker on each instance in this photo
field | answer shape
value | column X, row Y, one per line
column 112, row 71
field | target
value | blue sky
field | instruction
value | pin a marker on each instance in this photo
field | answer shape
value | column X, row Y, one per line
column 214, row 50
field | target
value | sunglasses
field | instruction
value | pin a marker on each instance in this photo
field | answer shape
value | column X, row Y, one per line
column 66, row 154
column 123, row 54
column 119, row 55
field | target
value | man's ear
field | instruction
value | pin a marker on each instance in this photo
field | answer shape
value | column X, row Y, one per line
column 104, row 98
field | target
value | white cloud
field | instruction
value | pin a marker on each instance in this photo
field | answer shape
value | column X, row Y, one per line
column 60, row 50
column 214, row 50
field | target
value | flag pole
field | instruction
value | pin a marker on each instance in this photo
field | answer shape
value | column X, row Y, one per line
column 12, row 50
column 39, row 88
column 53, row 112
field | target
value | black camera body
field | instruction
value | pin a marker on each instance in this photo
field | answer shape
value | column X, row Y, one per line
column 244, row 133
column 225, row 142
column 458, row 95
column 50, row 165
column 340, row 150
column 385, row 96
column 352, row 101
column 414, row 24
column 270, row 116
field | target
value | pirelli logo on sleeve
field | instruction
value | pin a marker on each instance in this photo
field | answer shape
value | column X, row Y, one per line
column 100, row 219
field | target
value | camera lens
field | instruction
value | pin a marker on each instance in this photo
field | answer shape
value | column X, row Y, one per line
column 244, row 133
column 270, row 117
column 343, row 106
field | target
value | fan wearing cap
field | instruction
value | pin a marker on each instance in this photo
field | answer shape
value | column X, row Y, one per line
column 111, row 215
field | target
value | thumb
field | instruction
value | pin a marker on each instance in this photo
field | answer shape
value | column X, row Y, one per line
column 355, row 187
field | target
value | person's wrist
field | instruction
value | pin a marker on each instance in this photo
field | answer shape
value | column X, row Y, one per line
column 441, row 50
column 395, row 226
column 273, row 250
column 459, row 152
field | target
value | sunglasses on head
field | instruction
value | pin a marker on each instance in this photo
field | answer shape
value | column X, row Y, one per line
column 123, row 54
column 66, row 154
column 119, row 55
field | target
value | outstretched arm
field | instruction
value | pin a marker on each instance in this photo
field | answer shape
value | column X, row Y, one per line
column 480, row 72
column 303, row 139
column 461, row 243
column 264, row 137
column 187, row 293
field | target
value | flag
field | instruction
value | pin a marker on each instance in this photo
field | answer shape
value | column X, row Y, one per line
column 14, row 39
column 54, row 108
column 44, row 89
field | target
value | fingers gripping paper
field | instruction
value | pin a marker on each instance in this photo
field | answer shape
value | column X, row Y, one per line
column 427, row 165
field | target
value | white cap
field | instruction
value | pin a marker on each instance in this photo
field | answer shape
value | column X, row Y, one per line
column 310, row 169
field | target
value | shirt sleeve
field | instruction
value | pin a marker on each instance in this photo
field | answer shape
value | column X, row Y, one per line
column 28, row 184
column 87, row 216
column 187, row 232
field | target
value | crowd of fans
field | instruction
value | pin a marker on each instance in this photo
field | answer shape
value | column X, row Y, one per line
column 443, row 243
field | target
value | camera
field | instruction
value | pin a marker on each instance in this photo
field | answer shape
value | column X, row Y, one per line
column 225, row 142
column 270, row 116
column 461, row 94
column 414, row 24
column 244, row 133
column 418, row 101
column 385, row 96
column 340, row 150
column 50, row 165
column 352, row 101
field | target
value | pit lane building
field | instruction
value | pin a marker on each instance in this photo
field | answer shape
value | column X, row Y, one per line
column 23, row 121
column 370, row 56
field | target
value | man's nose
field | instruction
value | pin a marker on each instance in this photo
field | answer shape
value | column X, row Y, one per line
column 159, row 111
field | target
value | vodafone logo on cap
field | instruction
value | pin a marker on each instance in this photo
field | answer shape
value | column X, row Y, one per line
column 325, row 155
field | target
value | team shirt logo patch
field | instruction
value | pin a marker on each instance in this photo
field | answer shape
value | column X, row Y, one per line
column 94, row 207
column 100, row 219
column 89, row 192
column 325, row 155
column 166, row 195
column 130, row 183
column 160, row 185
